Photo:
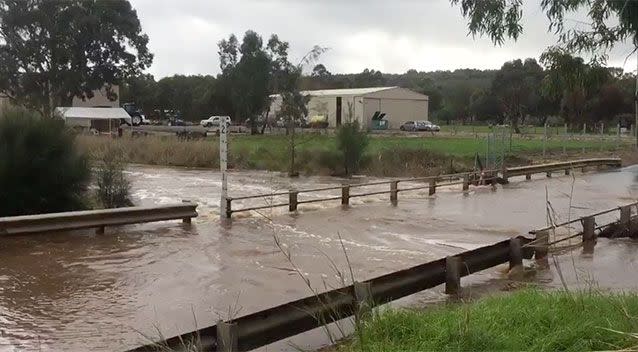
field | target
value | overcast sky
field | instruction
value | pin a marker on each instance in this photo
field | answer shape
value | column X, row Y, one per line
column 387, row 35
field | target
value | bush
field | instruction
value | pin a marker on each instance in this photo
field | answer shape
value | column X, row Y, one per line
column 352, row 143
column 112, row 186
column 40, row 169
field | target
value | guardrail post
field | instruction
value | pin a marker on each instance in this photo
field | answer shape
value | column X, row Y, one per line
column 452, row 275
column 466, row 182
column 516, row 253
column 226, row 337
column 432, row 188
column 589, row 234
column 541, row 246
column 292, row 200
column 394, row 192
column 345, row 195
column 363, row 299
column 625, row 219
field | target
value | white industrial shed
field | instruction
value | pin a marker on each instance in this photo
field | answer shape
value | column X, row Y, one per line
column 360, row 104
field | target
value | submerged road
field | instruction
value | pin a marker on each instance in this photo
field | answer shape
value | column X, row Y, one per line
column 81, row 291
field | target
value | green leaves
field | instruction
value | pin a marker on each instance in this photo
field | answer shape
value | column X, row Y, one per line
column 52, row 51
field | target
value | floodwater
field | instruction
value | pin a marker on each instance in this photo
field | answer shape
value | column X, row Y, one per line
column 80, row 291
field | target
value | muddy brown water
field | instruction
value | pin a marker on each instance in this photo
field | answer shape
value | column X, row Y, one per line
column 80, row 291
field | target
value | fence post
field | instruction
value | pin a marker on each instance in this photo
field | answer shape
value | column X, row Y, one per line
column 566, row 172
column 452, row 275
column 548, row 173
column 544, row 139
column 589, row 234
column 565, row 141
column 602, row 135
column 229, row 210
column 625, row 219
column 100, row 230
column 466, row 182
column 432, row 188
column 516, row 253
column 541, row 248
column 528, row 176
column 292, row 200
column 345, row 195
column 226, row 337
column 363, row 298
column 584, row 135
column 394, row 193
column 618, row 139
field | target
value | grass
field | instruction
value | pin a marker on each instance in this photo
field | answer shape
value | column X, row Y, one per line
column 386, row 155
column 528, row 320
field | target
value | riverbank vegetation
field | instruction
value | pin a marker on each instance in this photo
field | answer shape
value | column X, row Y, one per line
column 43, row 171
column 40, row 169
column 319, row 154
column 527, row 320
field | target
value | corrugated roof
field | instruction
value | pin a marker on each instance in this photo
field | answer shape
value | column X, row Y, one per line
column 347, row 91
column 92, row 113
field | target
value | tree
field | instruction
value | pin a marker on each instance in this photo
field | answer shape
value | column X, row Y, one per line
column 484, row 106
column 246, row 72
column 573, row 82
column 515, row 85
column 612, row 21
column 368, row 78
column 53, row 51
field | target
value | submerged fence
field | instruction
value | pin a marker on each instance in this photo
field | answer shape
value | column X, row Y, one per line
column 283, row 321
column 291, row 198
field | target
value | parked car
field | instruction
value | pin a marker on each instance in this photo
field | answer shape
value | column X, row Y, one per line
column 137, row 117
column 408, row 126
column 176, row 122
column 427, row 126
column 212, row 121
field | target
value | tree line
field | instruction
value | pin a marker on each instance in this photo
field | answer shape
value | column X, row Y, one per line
column 522, row 91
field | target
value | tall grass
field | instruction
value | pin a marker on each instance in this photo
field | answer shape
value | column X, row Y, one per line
column 528, row 320
column 319, row 154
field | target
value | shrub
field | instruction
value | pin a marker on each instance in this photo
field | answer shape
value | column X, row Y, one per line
column 112, row 186
column 40, row 169
column 352, row 143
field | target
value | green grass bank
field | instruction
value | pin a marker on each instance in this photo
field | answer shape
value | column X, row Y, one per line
column 527, row 320
column 318, row 155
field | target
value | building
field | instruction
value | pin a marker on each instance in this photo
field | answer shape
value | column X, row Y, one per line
column 97, row 119
column 100, row 99
column 360, row 104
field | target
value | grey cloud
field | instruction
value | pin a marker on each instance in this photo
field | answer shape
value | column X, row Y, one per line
column 391, row 36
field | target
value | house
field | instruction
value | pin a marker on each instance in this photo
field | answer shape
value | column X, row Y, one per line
column 360, row 104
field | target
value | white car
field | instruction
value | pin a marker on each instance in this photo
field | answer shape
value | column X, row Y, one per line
column 213, row 121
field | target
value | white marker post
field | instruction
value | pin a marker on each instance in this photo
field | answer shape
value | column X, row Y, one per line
column 223, row 164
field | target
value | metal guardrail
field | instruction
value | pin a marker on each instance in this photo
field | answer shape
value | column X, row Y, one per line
column 465, row 179
column 29, row 224
column 277, row 323
column 286, row 320
column 567, row 166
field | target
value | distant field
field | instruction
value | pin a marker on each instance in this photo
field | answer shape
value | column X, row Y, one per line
column 453, row 146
